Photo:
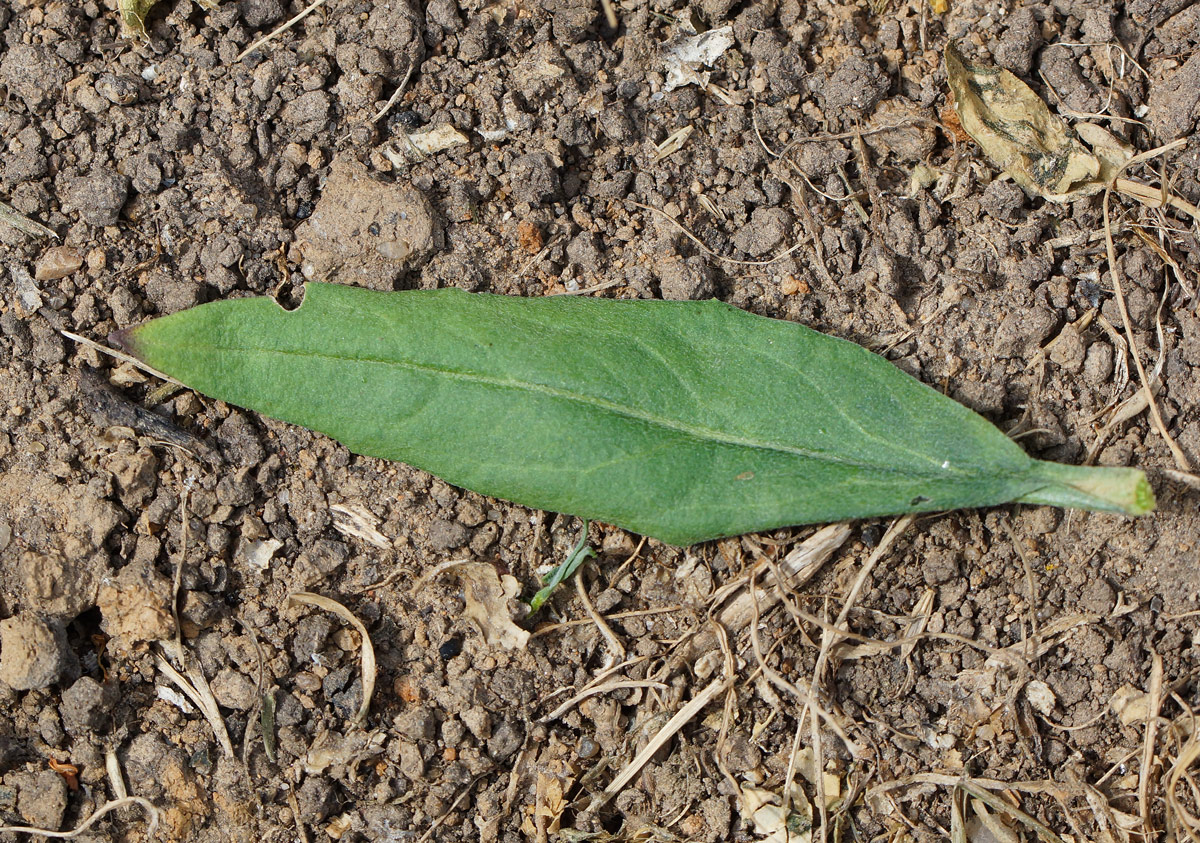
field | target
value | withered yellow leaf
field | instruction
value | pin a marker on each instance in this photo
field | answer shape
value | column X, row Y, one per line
column 1018, row 132
column 1112, row 152
column 133, row 15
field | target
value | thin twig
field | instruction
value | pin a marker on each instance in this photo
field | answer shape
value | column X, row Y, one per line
column 368, row 650
column 705, row 248
column 908, row 121
column 541, row 253
column 24, row 224
column 828, row 637
column 196, row 687
column 177, row 578
column 1155, row 197
column 668, row 731
column 255, row 717
column 632, row 613
column 1000, row 805
column 818, row 772
column 616, row 685
column 1047, row 787
column 617, row 649
column 736, row 607
column 595, row 288
column 790, row 776
column 1166, row 258
column 610, row 14
column 1153, row 703
column 893, row 532
column 107, row 807
column 453, row 805
column 112, row 766
column 284, row 28
column 1035, row 636
column 395, row 95
column 1114, row 270
column 807, row 695
column 295, row 806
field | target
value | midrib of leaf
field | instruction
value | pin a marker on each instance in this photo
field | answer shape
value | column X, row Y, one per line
column 855, row 423
column 695, row 431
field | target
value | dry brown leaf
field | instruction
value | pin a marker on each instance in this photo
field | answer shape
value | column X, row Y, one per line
column 486, row 595
column 1018, row 132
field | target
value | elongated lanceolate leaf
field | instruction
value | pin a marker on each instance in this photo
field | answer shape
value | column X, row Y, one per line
column 683, row 421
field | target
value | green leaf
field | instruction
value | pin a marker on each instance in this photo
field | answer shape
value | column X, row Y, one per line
column 683, row 421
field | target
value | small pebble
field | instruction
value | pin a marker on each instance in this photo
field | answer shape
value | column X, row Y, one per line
column 33, row 653
column 791, row 286
column 57, row 262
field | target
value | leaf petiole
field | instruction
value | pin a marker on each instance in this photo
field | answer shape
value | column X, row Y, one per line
column 1104, row 488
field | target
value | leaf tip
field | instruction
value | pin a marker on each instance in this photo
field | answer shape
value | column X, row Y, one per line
column 1143, row 498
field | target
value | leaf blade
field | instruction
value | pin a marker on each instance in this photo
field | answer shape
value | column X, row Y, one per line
column 679, row 420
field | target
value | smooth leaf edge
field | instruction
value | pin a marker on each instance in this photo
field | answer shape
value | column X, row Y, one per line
column 1109, row 489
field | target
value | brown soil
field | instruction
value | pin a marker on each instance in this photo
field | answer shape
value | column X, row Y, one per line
column 173, row 173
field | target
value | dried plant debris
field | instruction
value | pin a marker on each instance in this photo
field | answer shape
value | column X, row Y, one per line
column 133, row 15
column 414, row 148
column 1017, row 131
column 775, row 819
column 355, row 521
column 435, row 140
column 672, row 143
column 11, row 216
column 686, row 55
column 487, row 596
column 550, row 800
column 368, row 651
column 1111, row 152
